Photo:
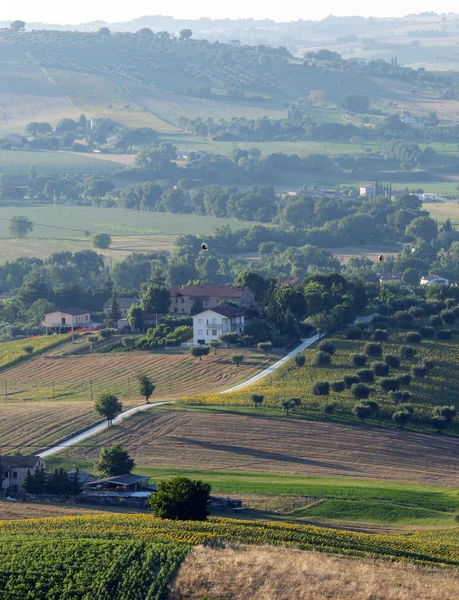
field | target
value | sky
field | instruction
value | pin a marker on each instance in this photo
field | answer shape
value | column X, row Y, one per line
column 65, row 12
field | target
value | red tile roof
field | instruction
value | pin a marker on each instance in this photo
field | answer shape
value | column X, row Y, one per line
column 203, row 291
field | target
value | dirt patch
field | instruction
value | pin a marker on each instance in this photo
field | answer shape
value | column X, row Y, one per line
column 241, row 572
column 189, row 439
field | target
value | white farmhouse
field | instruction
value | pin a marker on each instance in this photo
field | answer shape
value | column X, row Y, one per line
column 434, row 280
column 62, row 321
column 210, row 324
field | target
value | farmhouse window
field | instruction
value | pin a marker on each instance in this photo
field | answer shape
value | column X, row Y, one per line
column 15, row 489
column 15, row 474
column 63, row 321
column 214, row 332
column 6, row 475
column 199, row 331
column 175, row 309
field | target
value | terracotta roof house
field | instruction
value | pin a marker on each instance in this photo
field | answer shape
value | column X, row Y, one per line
column 434, row 280
column 210, row 296
column 390, row 278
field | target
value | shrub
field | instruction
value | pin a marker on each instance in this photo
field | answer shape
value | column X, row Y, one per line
column 362, row 412
column 323, row 359
column 392, row 361
column 265, row 347
column 413, row 337
column 360, row 391
column 380, row 335
column 366, row 375
column 374, row 350
column 338, row 386
column 328, row 347
column 429, row 365
column 417, row 311
column 439, row 423
column 350, row 380
column 321, row 388
column 407, row 407
column 27, row 349
column 435, row 321
column 447, row 412
column 101, row 241
column 92, row 338
column 448, row 316
column 427, row 332
column 359, row 360
column 399, row 397
column 456, row 311
column 300, row 359
column 402, row 418
column 381, row 369
column 450, row 302
column 404, row 315
column 237, row 358
column 419, row 371
column 128, row 342
column 408, row 352
column 405, row 379
column 374, row 407
column 257, row 399
column 390, row 384
column 353, row 333
column 106, row 333
column 444, row 334
column 329, row 409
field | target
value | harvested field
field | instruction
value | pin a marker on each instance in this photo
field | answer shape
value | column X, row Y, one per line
column 199, row 440
column 18, row 510
column 127, row 160
column 347, row 252
column 175, row 373
column 240, row 572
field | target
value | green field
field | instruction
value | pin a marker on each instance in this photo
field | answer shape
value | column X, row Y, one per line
column 443, row 211
column 18, row 162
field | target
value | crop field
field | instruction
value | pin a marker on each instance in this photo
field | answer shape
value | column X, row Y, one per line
column 277, row 444
column 272, row 573
column 290, row 381
column 170, row 107
column 174, row 372
column 13, row 352
column 19, row 162
column 92, row 568
column 347, row 252
column 443, row 211
column 434, row 547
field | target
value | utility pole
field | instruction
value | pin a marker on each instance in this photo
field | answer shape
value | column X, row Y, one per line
column 129, row 388
column 6, row 392
column 90, row 387
column 53, row 390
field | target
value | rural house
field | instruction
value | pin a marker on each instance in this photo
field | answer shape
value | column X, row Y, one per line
column 368, row 190
column 210, row 296
column 390, row 278
column 62, row 321
column 210, row 324
column 83, row 476
column 15, row 470
column 434, row 280
column 293, row 283
column 123, row 303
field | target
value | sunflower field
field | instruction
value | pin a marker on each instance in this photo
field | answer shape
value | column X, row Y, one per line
column 13, row 352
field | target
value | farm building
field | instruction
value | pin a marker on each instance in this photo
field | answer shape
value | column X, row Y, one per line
column 129, row 489
column 434, row 280
column 83, row 476
column 210, row 296
column 293, row 283
column 62, row 321
column 390, row 278
column 15, row 470
column 123, row 303
column 368, row 190
column 210, row 324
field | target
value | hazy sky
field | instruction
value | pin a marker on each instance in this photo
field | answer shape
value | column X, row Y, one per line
column 64, row 11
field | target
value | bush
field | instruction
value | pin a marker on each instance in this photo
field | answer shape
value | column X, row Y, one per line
column 359, row 360
column 106, row 333
column 429, row 365
column 360, row 391
column 181, row 498
column 447, row 412
column 444, row 334
column 128, row 342
column 353, row 333
column 450, row 302
column 362, row 412
column 435, row 321
column 417, row 311
column 404, row 315
column 374, row 407
column 350, row 380
column 456, row 311
column 323, row 359
column 413, row 337
column 321, row 388
column 405, row 379
column 380, row 335
column 373, row 349
column 381, row 369
column 265, row 347
column 427, row 332
column 439, row 423
column 402, row 418
column 390, row 384
column 366, row 375
column 419, row 372
column 328, row 347
column 338, row 386
column 92, row 339
column 392, row 361
column 399, row 397
column 101, row 241
column 28, row 349
column 300, row 359
column 448, row 316
column 408, row 352
column 407, row 407
column 329, row 409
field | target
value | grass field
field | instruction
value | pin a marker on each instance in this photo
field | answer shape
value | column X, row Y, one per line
column 239, row 572
column 175, row 373
column 227, row 441
column 19, row 162
column 443, row 211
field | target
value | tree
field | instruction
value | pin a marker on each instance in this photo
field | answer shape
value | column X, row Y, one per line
column 237, row 359
column 321, row 388
column 156, row 299
column 135, row 316
column 114, row 313
column 74, row 483
column 265, row 347
column 257, row 399
column 329, row 409
column 447, row 412
column 28, row 349
column 17, row 25
column 215, row 344
column 127, row 342
column 19, row 227
column 181, row 499
column 322, row 359
column 29, row 483
column 300, row 359
column 439, row 423
column 402, row 418
column 185, row 34
column 36, row 128
column 108, row 406
column 114, row 461
column 101, row 241
column 146, row 387
column 198, row 307
column 199, row 351
column 423, row 228
column 362, row 412
column 411, row 276
column 360, row 391
column 288, row 405
column 355, row 103
column 229, row 338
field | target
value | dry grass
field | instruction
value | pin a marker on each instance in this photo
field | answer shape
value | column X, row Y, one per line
column 241, row 572
column 127, row 160
column 245, row 443
column 17, row 510
column 347, row 252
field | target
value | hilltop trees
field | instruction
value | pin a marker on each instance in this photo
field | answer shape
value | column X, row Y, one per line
column 19, row 227
column 182, row 499
column 146, row 387
column 101, row 241
column 114, row 461
column 199, row 351
column 108, row 406
column 114, row 313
